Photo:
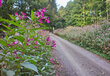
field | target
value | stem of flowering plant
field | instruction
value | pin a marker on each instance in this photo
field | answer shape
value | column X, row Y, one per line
column 18, row 68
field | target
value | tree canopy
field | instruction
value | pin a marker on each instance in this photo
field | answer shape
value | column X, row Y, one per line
column 83, row 12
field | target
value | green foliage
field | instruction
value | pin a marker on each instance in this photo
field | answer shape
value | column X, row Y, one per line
column 32, row 15
column 83, row 12
column 30, row 66
column 12, row 6
column 26, row 47
column 4, row 43
column 96, row 40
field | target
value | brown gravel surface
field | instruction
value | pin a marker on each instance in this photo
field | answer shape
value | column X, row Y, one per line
column 76, row 61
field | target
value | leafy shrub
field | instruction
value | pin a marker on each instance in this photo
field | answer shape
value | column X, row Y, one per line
column 99, row 39
column 26, row 49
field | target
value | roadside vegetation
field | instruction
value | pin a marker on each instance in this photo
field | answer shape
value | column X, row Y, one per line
column 25, row 45
column 94, row 38
column 86, row 23
column 82, row 13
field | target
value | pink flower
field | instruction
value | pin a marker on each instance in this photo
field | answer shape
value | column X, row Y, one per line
column 8, row 44
column 24, row 17
column 23, row 13
column 0, row 3
column 51, row 60
column 47, row 20
column 40, row 21
column 53, row 44
column 47, row 43
column 15, row 52
column 34, row 46
column 28, row 40
column 19, row 17
column 32, row 39
column 43, row 17
column 16, row 41
column 23, row 25
column 42, row 14
column 16, row 34
column 38, row 14
column 17, row 57
column 36, row 43
column 43, row 10
column 48, row 39
column 13, row 43
column 16, row 13
column 27, row 44
column 8, row 25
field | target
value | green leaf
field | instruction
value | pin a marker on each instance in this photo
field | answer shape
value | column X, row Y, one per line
column 20, row 38
column 6, row 27
column 10, row 73
column 1, row 54
column 30, row 66
column 41, row 24
column 12, row 17
column 43, row 68
column 6, row 37
column 19, row 30
column 32, row 60
column 4, row 43
column 32, row 15
column 12, row 22
column 40, row 28
column 3, row 30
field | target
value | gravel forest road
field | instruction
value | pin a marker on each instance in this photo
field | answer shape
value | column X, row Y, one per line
column 78, row 61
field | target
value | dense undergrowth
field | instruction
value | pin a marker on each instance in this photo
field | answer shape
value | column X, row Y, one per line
column 26, row 49
column 94, row 38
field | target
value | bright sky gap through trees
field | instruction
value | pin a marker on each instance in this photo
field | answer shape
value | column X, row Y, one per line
column 61, row 3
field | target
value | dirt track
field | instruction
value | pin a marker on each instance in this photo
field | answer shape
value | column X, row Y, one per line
column 78, row 61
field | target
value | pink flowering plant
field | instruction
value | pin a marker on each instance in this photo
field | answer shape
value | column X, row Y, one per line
column 28, row 46
column 0, row 3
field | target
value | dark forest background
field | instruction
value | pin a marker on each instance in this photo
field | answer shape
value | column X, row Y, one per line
column 76, row 13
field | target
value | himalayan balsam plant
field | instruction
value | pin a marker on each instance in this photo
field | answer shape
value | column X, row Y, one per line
column 0, row 3
column 26, row 48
